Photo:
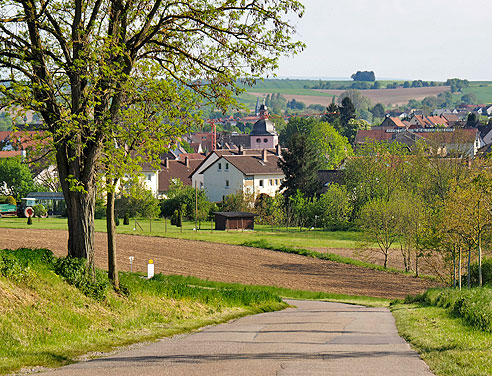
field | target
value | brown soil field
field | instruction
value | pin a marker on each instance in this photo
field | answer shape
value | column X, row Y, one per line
column 228, row 263
column 387, row 97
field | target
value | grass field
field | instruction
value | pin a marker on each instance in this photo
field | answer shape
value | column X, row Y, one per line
column 444, row 342
column 291, row 237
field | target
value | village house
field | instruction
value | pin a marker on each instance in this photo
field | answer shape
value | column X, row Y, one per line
column 250, row 173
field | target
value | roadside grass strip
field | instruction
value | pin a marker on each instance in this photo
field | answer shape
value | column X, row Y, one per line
column 451, row 329
column 50, row 320
column 53, row 312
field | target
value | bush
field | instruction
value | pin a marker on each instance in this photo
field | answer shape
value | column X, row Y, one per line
column 117, row 221
column 17, row 265
column 486, row 273
column 76, row 272
column 100, row 209
column 29, row 220
column 126, row 219
column 39, row 210
column 473, row 306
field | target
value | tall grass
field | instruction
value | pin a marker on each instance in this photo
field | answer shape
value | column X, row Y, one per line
column 473, row 306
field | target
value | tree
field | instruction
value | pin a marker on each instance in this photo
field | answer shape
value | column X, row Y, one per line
column 469, row 98
column 379, row 220
column 77, row 63
column 15, row 178
column 347, row 113
column 378, row 110
column 300, row 164
column 364, row 76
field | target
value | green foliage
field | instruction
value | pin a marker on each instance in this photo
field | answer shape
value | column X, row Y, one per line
column 182, row 198
column 16, row 177
column 486, row 273
column 300, row 164
column 364, row 76
column 11, row 201
column 39, row 211
column 76, row 272
column 472, row 305
column 100, row 210
column 136, row 200
column 126, row 219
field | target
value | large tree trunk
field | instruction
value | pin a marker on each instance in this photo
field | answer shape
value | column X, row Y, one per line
column 111, row 234
column 80, row 200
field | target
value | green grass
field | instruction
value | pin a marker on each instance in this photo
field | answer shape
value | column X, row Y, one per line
column 46, row 322
column 262, row 243
column 445, row 343
column 484, row 94
column 277, row 236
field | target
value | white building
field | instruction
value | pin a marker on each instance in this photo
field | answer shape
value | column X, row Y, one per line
column 251, row 173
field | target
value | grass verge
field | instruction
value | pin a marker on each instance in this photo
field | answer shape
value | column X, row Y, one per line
column 449, row 329
column 46, row 321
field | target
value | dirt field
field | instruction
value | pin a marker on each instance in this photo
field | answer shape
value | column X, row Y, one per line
column 220, row 262
column 385, row 96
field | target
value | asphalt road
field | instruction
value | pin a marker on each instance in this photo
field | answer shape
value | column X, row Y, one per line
column 316, row 338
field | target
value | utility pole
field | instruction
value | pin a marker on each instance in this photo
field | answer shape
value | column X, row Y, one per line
column 196, row 206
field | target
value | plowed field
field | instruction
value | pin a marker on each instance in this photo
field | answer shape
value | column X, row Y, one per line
column 228, row 263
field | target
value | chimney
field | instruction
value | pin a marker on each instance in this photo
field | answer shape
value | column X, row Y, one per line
column 166, row 162
column 278, row 150
column 187, row 162
column 264, row 155
column 241, row 150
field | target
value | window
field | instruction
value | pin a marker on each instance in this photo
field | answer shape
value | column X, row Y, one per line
column 271, row 181
column 260, row 183
column 265, row 140
column 148, row 177
column 227, row 184
column 227, row 166
column 258, row 140
column 276, row 181
column 220, row 167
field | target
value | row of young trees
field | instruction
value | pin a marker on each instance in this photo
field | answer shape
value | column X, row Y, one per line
column 425, row 204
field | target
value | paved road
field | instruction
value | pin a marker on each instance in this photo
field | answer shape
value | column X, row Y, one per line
column 316, row 338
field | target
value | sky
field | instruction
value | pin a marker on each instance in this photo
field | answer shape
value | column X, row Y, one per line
column 397, row 39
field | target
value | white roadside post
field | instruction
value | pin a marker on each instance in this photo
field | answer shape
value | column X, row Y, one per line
column 150, row 269
column 131, row 263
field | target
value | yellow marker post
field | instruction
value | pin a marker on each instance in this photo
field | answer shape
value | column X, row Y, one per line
column 150, row 269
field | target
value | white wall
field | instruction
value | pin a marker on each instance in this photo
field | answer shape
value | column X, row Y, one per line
column 271, row 184
column 197, row 177
column 214, row 180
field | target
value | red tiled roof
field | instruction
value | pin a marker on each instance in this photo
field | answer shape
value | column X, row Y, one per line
column 9, row 153
column 254, row 164
column 176, row 170
column 191, row 156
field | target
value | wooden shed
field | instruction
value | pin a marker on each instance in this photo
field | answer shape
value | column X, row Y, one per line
column 234, row 221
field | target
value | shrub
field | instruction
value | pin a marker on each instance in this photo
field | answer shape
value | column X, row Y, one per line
column 76, row 272
column 39, row 210
column 100, row 209
column 29, row 220
column 117, row 221
column 17, row 265
column 126, row 219
column 486, row 273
